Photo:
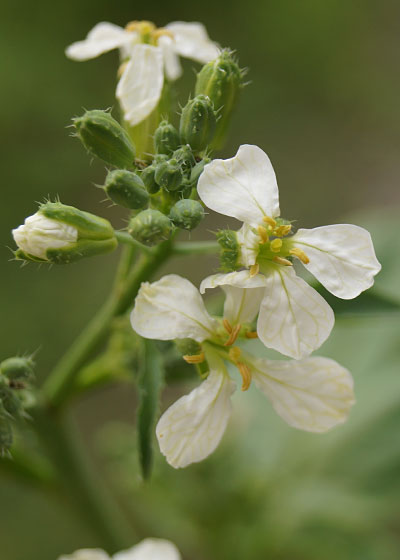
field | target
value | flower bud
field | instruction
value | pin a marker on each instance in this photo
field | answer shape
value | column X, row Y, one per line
column 6, row 436
column 126, row 189
column 221, row 81
column 166, row 138
column 105, row 138
column 150, row 227
column 10, row 401
column 187, row 346
column 17, row 369
column 184, row 156
column 187, row 214
column 230, row 250
column 169, row 175
column 63, row 234
column 149, row 180
column 198, row 122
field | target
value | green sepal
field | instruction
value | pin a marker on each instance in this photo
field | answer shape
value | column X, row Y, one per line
column 126, row 189
column 187, row 346
column 187, row 214
column 185, row 158
column 166, row 138
column 198, row 123
column 150, row 227
column 17, row 368
column 149, row 180
column 230, row 250
column 20, row 255
column 81, row 249
column 168, row 175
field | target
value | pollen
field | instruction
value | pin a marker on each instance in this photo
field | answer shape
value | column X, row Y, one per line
column 300, row 254
column 282, row 261
column 281, row 231
column 195, row 359
column 254, row 269
column 233, row 336
column 270, row 221
column 276, row 245
column 263, row 233
column 143, row 27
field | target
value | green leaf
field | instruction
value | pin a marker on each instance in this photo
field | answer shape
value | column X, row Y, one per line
column 150, row 384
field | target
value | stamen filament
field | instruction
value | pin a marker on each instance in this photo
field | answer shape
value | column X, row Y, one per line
column 194, row 359
column 270, row 221
column 246, row 375
column 234, row 334
column 281, row 260
column 300, row 254
column 227, row 325
column 263, row 233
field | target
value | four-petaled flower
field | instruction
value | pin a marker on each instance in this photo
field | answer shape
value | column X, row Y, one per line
column 293, row 319
column 149, row 549
column 147, row 52
column 313, row 394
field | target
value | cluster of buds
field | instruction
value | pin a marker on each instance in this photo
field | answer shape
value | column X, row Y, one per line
column 16, row 373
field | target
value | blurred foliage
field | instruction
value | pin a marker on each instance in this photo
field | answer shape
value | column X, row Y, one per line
column 323, row 102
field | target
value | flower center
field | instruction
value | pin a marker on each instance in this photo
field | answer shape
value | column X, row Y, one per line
column 148, row 32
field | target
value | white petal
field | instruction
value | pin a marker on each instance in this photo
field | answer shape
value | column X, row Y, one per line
column 314, row 394
column 249, row 245
column 150, row 549
column 342, row 258
column 171, row 308
column 102, row 38
column 193, row 426
column 243, row 187
column 140, row 86
column 172, row 65
column 241, row 304
column 86, row 554
column 192, row 41
column 294, row 319
column 240, row 279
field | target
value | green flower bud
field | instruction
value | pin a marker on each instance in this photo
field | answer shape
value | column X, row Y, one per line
column 169, row 175
column 187, row 346
column 105, row 138
column 17, row 369
column 221, row 81
column 149, row 180
column 158, row 158
column 187, row 214
column 63, row 234
column 230, row 250
column 198, row 123
column 150, row 227
column 6, row 436
column 166, row 138
column 126, row 189
column 10, row 401
column 184, row 156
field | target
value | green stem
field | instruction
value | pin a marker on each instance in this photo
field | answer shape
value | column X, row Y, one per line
column 127, row 239
column 196, row 248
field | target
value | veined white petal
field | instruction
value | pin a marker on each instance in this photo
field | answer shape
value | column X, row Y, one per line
column 192, row 41
column 193, row 426
column 102, row 38
column 294, row 319
column 241, row 304
column 86, row 554
column 239, row 279
column 249, row 245
column 342, row 258
column 314, row 394
column 150, row 549
column 140, row 86
column 172, row 66
column 243, row 187
column 171, row 308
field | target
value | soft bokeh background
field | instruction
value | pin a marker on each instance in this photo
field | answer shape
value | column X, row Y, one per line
column 323, row 102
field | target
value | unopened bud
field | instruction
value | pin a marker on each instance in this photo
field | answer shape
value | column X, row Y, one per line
column 198, row 123
column 17, row 369
column 6, row 436
column 221, row 81
column 166, row 138
column 150, row 227
column 126, row 189
column 169, row 175
column 187, row 214
column 230, row 250
column 187, row 346
column 149, row 180
column 10, row 401
column 184, row 156
column 63, row 234
column 105, row 138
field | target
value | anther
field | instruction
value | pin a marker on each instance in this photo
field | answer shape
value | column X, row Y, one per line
column 270, row 221
column 121, row 69
column 246, row 375
column 227, row 325
column 234, row 353
column 195, row 359
column 300, row 254
column 263, row 233
column 283, row 261
column 251, row 334
column 281, row 231
column 276, row 245
column 234, row 334
column 162, row 32
column 254, row 269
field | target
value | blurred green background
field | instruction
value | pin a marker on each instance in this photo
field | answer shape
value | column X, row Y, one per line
column 323, row 102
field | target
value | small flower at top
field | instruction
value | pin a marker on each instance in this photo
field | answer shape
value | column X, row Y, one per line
column 148, row 549
column 314, row 394
column 294, row 319
column 146, row 53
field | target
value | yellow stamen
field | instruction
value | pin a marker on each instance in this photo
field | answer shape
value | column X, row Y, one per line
column 270, row 221
column 227, row 325
column 140, row 26
column 276, row 245
column 162, row 32
column 251, row 334
column 300, row 254
column 281, row 231
column 234, row 353
column 234, row 334
column 283, row 261
column 254, row 269
column 195, row 359
column 263, row 233
column 246, row 375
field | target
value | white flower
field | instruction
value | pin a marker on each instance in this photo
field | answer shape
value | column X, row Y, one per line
column 149, row 549
column 314, row 394
column 294, row 319
column 150, row 53
column 38, row 234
